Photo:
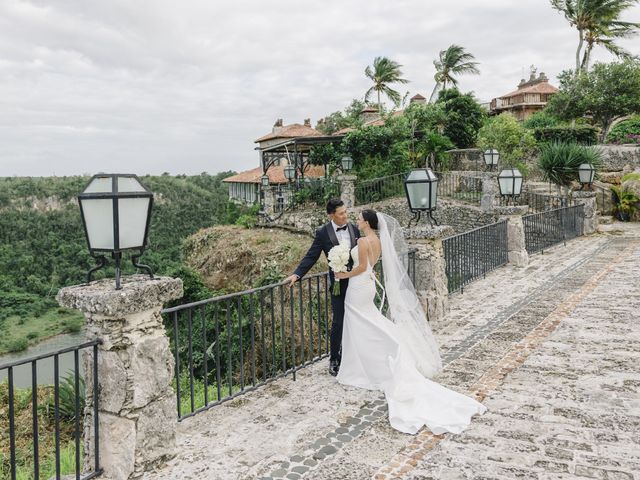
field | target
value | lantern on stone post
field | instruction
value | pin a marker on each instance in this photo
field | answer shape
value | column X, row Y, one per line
column 116, row 213
column 586, row 174
column 491, row 157
column 510, row 183
column 347, row 163
column 421, row 188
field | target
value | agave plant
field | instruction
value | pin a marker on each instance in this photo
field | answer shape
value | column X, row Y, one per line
column 559, row 162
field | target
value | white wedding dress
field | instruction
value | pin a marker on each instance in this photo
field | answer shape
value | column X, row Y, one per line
column 375, row 357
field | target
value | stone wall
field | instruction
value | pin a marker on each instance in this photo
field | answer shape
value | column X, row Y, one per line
column 460, row 216
column 616, row 157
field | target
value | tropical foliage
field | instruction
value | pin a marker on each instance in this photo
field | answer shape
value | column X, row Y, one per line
column 627, row 131
column 384, row 73
column 452, row 62
column 509, row 137
column 463, row 117
column 606, row 93
column 559, row 162
column 598, row 23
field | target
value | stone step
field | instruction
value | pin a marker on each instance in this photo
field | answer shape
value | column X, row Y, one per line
column 606, row 219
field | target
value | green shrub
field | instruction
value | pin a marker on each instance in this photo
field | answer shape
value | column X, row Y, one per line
column 583, row 135
column 246, row 221
column 559, row 161
column 541, row 120
column 508, row 136
column 17, row 345
column 627, row 131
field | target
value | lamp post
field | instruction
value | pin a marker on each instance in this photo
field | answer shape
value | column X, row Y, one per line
column 347, row 163
column 510, row 182
column 421, row 188
column 116, row 212
column 264, row 180
column 491, row 157
column 586, row 174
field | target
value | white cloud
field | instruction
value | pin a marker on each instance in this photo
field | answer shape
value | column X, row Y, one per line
column 152, row 86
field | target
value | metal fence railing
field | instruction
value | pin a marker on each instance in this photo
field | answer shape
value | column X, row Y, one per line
column 45, row 423
column 538, row 202
column 471, row 255
column 232, row 344
column 369, row 191
column 309, row 192
column 459, row 187
column 545, row 229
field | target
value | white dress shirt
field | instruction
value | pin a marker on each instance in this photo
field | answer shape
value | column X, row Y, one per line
column 342, row 235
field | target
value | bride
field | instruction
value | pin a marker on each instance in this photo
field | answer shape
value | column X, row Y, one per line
column 396, row 354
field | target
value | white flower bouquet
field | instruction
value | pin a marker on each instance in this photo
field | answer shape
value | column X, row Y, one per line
column 338, row 259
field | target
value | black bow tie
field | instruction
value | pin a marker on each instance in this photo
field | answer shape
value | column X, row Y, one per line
column 341, row 228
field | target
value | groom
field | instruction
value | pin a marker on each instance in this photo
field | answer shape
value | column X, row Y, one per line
column 338, row 229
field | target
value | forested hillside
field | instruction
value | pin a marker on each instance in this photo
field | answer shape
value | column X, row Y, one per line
column 42, row 243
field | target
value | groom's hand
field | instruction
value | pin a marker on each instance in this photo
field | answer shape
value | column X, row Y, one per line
column 291, row 279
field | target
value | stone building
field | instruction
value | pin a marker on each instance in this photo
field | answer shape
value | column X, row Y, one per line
column 245, row 186
column 531, row 96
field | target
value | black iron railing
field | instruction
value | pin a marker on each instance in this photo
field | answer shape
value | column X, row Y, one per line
column 44, row 422
column 538, row 202
column 308, row 192
column 374, row 190
column 543, row 230
column 229, row 345
column 470, row 255
column 459, row 187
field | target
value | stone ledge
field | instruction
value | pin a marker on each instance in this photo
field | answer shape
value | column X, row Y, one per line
column 138, row 293
column 425, row 232
column 512, row 210
column 583, row 194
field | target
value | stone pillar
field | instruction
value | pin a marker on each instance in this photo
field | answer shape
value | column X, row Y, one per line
column 269, row 199
column 516, row 245
column 136, row 403
column 431, row 278
column 490, row 191
column 588, row 199
column 348, row 189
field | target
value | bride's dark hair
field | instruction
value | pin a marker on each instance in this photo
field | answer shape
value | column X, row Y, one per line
column 370, row 216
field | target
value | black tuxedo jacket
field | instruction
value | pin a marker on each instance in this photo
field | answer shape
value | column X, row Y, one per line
column 324, row 240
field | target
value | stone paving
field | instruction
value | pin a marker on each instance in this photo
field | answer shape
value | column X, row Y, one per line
column 550, row 349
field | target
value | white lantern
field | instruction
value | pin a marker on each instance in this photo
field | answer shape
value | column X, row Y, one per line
column 586, row 173
column 421, row 188
column 347, row 163
column 491, row 157
column 510, row 182
column 116, row 213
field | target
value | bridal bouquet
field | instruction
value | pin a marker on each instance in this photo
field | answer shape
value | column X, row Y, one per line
column 338, row 259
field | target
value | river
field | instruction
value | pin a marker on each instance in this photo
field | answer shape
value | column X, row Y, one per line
column 22, row 373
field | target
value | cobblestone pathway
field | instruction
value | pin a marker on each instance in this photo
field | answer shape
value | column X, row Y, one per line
column 552, row 350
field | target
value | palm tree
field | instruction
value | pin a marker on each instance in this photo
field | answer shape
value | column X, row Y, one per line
column 597, row 22
column 384, row 73
column 452, row 62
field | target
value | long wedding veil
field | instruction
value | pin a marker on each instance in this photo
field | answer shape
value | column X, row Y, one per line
column 405, row 309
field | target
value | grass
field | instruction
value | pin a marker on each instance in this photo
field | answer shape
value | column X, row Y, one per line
column 24, row 436
column 20, row 333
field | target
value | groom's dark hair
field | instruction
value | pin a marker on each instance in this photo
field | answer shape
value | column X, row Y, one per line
column 333, row 204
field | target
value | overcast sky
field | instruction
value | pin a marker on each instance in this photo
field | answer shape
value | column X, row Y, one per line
column 152, row 86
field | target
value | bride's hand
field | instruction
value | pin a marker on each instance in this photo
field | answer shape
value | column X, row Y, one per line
column 341, row 275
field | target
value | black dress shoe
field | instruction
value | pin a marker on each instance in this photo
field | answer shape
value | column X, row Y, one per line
column 334, row 367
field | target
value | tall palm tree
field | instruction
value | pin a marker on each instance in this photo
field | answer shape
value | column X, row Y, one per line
column 598, row 23
column 452, row 62
column 384, row 73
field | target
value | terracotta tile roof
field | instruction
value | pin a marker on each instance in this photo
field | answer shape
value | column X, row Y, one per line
column 542, row 87
column 291, row 131
column 276, row 175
